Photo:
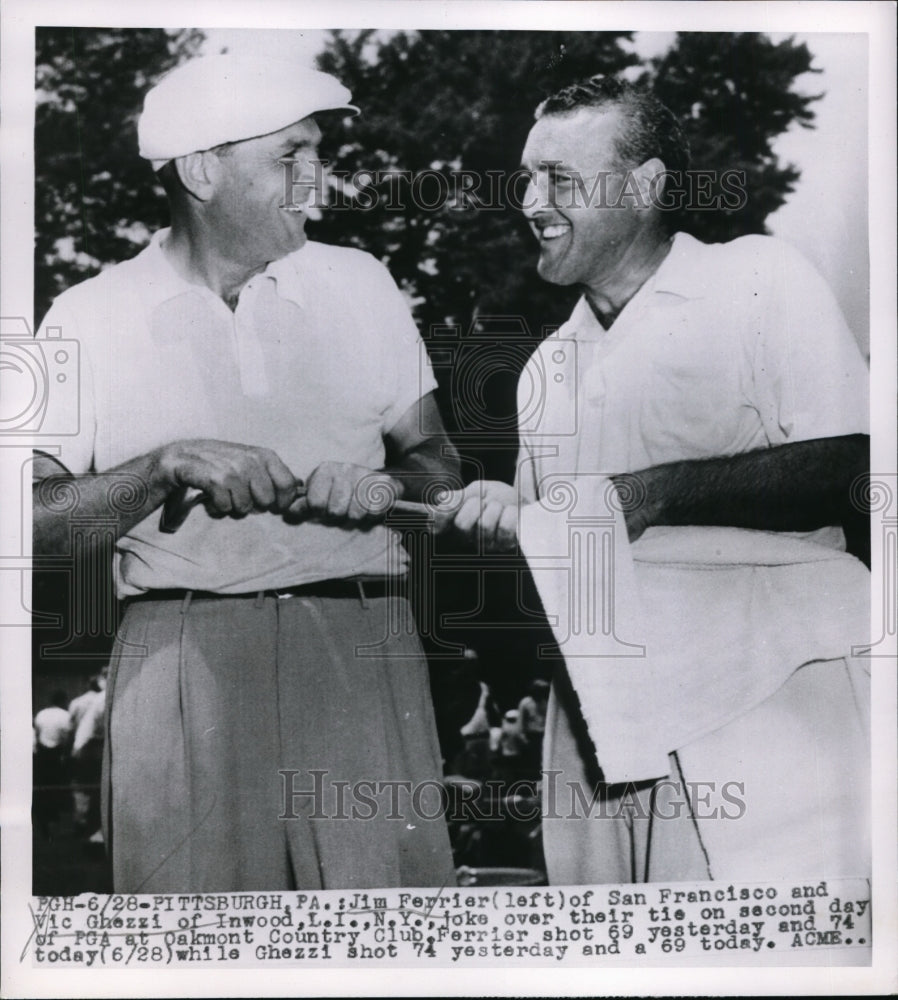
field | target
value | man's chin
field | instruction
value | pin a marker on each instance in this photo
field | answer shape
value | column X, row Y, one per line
column 551, row 272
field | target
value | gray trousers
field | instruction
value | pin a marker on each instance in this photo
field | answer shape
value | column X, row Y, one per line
column 779, row 794
column 262, row 743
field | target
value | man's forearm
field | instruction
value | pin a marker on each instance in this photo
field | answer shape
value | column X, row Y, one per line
column 433, row 462
column 792, row 487
column 126, row 494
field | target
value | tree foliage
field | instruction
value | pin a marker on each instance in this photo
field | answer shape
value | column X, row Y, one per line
column 96, row 202
column 439, row 106
column 451, row 101
column 452, row 104
column 462, row 101
column 734, row 95
column 439, row 101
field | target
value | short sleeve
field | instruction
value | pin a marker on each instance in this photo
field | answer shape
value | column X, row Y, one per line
column 810, row 379
column 407, row 368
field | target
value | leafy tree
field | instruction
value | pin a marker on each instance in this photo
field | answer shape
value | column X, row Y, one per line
column 95, row 202
column 450, row 108
column 433, row 101
column 436, row 103
column 447, row 104
column 440, row 102
column 733, row 93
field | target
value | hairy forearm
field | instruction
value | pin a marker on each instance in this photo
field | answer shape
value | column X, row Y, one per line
column 124, row 495
column 793, row 487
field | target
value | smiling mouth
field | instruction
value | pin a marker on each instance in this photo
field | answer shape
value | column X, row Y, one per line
column 553, row 232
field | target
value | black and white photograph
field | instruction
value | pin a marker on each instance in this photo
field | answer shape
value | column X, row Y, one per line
column 452, row 519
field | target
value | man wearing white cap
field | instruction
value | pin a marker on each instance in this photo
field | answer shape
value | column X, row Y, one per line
column 269, row 706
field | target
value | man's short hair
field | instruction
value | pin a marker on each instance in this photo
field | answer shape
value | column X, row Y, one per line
column 649, row 128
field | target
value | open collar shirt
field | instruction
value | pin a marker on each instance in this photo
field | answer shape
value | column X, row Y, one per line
column 318, row 361
column 726, row 348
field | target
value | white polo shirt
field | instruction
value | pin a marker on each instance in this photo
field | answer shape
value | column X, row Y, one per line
column 726, row 348
column 318, row 362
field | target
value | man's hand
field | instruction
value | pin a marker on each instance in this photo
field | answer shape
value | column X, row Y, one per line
column 342, row 493
column 235, row 478
column 485, row 512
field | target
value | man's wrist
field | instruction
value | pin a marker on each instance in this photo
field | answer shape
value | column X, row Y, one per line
column 640, row 501
column 162, row 477
column 160, row 473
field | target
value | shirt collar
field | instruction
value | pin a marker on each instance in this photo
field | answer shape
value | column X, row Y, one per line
column 168, row 284
column 681, row 273
column 165, row 281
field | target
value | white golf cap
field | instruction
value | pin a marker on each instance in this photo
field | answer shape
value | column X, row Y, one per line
column 212, row 100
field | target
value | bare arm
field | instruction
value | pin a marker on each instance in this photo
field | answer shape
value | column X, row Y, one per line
column 236, row 479
column 57, row 496
column 419, row 452
column 791, row 487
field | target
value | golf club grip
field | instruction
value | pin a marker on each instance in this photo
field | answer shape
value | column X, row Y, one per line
column 180, row 503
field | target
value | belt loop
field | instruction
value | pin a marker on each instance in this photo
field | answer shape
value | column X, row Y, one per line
column 260, row 599
column 185, row 604
column 362, row 597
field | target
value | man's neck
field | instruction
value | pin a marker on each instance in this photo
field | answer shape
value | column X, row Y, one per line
column 609, row 295
column 197, row 260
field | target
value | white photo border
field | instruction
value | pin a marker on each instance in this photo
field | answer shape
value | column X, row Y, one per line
column 19, row 18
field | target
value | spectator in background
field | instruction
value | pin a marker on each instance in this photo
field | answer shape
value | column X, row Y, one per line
column 532, row 711
column 474, row 758
column 52, row 736
column 88, row 713
column 508, row 760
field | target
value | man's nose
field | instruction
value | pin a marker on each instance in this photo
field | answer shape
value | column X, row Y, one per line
column 536, row 197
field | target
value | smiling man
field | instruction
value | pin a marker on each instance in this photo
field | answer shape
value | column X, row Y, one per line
column 583, row 207
column 719, row 388
column 267, row 662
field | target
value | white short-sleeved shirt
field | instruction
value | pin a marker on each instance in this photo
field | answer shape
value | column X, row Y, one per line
column 725, row 349
column 318, row 362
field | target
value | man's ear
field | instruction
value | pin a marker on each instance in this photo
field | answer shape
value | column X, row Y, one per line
column 199, row 173
column 651, row 178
